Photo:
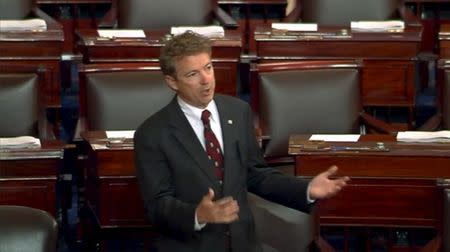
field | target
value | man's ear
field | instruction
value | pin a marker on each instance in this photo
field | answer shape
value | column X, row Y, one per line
column 170, row 80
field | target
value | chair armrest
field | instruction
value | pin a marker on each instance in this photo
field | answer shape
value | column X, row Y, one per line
column 408, row 16
column 46, row 130
column 280, row 227
column 295, row 15
column 376, row 124
column 52, row 24
column 109, row 20
column 323, row 245
column 224, row 19
column 432, row 124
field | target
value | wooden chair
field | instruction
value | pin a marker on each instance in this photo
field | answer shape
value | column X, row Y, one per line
column 23, row 109
column 26, row 229
column 307, row 97
column 163, row 14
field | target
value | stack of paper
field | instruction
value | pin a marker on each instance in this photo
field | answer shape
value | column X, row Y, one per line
column 120, row 134
column 120, row 33
column 23, row 25
column 295, row 26
column 335, row 137
column 377, row 26
column 213, row 31
column 22, row 142
column 424, row 136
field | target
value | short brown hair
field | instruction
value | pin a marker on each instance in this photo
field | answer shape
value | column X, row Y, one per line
column 186, row 44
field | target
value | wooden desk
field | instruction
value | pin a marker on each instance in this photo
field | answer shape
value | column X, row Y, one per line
column 112, row 192
column 36, row 48
column 225, row 55
column 395, row 188
column 444, row 41
column 28, row 176
column 389, row 58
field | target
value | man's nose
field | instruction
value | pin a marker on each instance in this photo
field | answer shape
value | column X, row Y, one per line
column 205, row 77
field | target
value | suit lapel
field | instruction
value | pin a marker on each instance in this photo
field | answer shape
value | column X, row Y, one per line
column 230, row 141
column 183, row 132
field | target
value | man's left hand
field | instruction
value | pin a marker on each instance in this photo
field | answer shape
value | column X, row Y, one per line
column 321, row 186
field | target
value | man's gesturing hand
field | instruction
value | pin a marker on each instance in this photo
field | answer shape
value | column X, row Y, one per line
column 224, row 210
column 322, row 186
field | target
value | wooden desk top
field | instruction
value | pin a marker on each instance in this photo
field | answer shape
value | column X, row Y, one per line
column 89, row 37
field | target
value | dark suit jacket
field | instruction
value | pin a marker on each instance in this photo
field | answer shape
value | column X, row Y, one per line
column 174, row 173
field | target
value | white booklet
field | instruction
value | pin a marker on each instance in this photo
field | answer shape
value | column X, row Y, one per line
column 377, row 26
column 21, row 142
column 212, row 31
column 35, row 24
column 335, row 137
column 295, row 26
column 124, row 134
column 114, row 33
column 442, row 136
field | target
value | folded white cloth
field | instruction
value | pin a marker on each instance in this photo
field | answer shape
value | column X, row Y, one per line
column 21, row 142
column 213, row 31
column 377, row 26
column 23, row 25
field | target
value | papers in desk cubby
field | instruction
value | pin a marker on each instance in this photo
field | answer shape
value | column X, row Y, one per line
column 212, row 31
column 35, row 24
column 21, row 142
column 295, row 26
column 377, row 26
column 105, row 33
column 442, row 136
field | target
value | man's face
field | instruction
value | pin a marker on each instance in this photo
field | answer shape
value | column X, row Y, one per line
column 194, row 79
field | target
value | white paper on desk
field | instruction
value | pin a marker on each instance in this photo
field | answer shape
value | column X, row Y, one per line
column 121, row 33
column 120, row 133
column 295, row 26
column 377, row 26
column 20, row 142
column 442, row 136
column 23, row 25
column 212, row 31
column 335, row 137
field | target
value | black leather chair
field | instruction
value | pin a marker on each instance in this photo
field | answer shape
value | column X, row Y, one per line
column 22, row 102
column 330, row 12
column 120, row 96
column 25, row 229
column 21, row 9
column 281, row 228
column 446, row 233
column 163, row 14
column 308, row 97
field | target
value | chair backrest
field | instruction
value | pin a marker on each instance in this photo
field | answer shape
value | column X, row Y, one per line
column 342, row 12
column 307, row 97
column 446, row 101
column 115, row 98
column 295, row 230
column 19, row 104
column 25, row 229
column 159, row 14
column 15, row 9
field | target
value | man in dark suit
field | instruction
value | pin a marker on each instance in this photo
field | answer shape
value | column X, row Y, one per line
column 195, row 196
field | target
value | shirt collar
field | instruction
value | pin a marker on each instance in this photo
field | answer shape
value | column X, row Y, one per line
column 196, row 113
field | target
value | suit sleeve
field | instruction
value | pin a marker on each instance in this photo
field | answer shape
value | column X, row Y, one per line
column 154, row 177
column 267, row 182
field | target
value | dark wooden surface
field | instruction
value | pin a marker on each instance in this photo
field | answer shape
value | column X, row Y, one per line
column 28, row 176
column 111, row 186
column 395, row 188
column 388, row 58
column 35, row 48
column 225, row 55
column 444, row 41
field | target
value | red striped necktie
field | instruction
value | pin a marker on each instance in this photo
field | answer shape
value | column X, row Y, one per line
column 212, row 145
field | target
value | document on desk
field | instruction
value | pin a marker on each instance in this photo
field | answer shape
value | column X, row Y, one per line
column 21, row 142
column 119, row 134
column 442, row 136
column 211, row 31
column 114, row 33
column 35, row 24
column 295, row 26
column 378, row 26
column 335, row 137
